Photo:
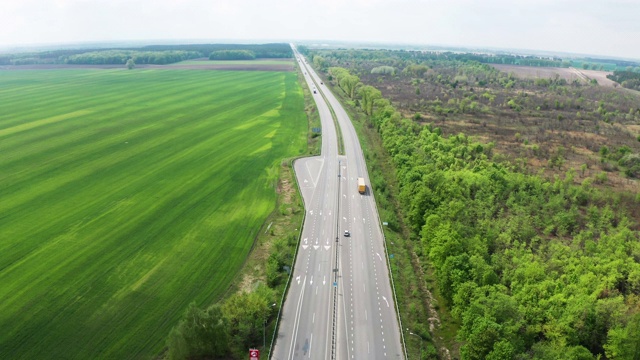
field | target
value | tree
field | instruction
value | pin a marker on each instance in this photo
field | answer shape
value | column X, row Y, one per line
column 245, row 314
column 319, row 62
column 624, row 342
column 200, row 334
column 480, row 342
column 131, row 64
column 347, row 82
column 369, row 95
column 416, row 69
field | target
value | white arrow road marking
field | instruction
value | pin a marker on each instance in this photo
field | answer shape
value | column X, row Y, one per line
column 345, row 195
column 305, row 240
column 304, row 247
column 345, row 219
column 316, row 247
column 329, row 213
column 316, row 241
column 380, row 257
column 326, row 247
column 311, row 212
column 311, row 282
column 298, row 279
column 305, row 181
column 320, row 212
column 385, row 300
column 324, row 280
column 363, row 220
column 353, row 196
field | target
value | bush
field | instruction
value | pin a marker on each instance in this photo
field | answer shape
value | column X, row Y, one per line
column 384, row 70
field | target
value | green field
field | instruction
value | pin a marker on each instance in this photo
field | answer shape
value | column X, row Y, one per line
column 126, row 195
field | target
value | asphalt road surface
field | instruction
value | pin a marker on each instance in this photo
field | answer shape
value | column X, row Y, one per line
column 340, row 303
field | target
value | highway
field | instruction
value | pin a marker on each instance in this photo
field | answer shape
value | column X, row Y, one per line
column 340, row 303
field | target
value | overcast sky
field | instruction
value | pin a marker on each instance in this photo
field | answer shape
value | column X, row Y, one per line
column 601, row 27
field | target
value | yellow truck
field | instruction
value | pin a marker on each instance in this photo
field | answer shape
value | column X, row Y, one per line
column 362, row 187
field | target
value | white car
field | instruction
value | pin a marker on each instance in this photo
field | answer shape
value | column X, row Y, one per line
column 347, row 233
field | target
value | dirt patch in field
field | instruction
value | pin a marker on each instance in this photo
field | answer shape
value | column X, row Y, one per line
column 569, row 74
column 533, row 72
column 600, row 76
column 242, row 67
column 63, row 66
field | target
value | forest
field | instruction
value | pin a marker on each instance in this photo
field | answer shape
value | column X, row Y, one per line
column 274, row 50
column 139, row 57
column 484, row 58
column 533, row 259
column 152, row 54
column 232, row 55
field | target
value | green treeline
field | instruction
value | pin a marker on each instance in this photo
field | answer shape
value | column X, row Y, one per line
column 152, row 54
column 628, row 79
column 507, row 59
column 450, row 56
column 139, row 57
column 531, row 268
column 232, row 55
column 274, row 50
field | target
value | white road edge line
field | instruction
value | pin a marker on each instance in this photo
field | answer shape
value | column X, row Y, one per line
column 296, row 320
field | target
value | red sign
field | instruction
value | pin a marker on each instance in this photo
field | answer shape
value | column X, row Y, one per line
column 254, row 354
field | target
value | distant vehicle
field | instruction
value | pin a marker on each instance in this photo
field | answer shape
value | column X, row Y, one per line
column 347, row 233
column 315, row 92
column 362, row 187
column 321, row 83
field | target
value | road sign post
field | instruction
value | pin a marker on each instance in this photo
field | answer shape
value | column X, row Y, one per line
column 254, row 354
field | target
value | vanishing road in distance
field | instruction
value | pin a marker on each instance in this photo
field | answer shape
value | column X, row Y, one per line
column 340, row 303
